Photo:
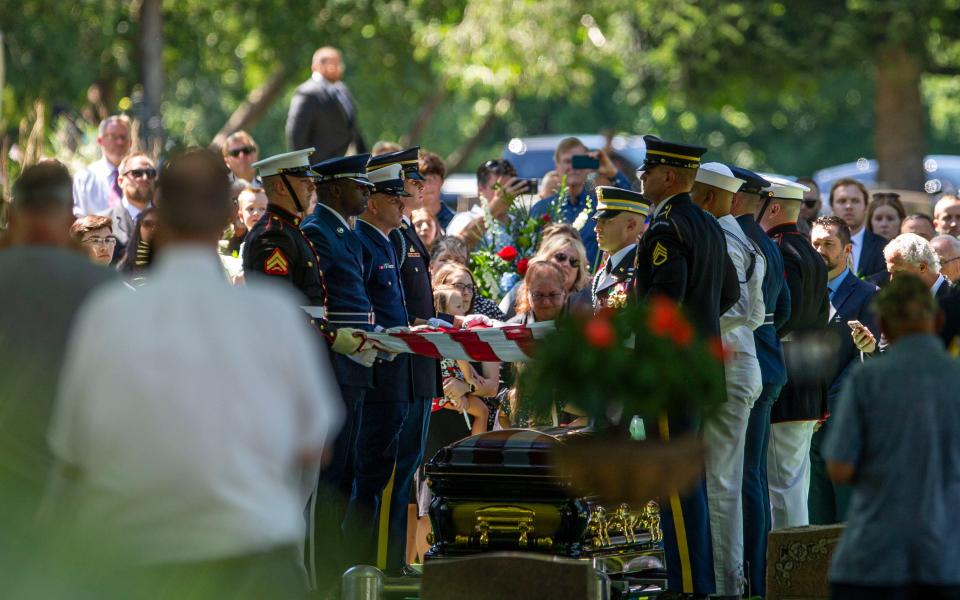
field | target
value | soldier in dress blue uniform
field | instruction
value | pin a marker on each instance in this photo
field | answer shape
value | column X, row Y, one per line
column 683, row 256
column 387, row 404
column 342, row 193
column 773, row 375
column 620, row 219
column 415, row 277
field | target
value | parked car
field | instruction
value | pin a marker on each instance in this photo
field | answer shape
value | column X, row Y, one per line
column 533, row 156
column 942, row 170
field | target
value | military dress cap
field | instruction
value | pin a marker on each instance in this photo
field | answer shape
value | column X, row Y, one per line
column 409, row 161
column 752, row 183
column 294, row 163
column 388, row 179
column 353, row 168
column 784, row 189
column 661, row 152
column 719, row 176
column 612, row 201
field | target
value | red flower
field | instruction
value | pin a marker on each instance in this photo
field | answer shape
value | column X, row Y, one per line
column 522, row 266
column 599, row 332
column 715, row 346
column 508, row 253
column 545, row 218
column 667, row 321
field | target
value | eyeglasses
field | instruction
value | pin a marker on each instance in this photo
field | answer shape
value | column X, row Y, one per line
column 242, row 150
column 552, row 297
column 141, row 173
column 561, row 257
column 949, row 260
column 109, row 240
column 462, row 287
column 810, row 203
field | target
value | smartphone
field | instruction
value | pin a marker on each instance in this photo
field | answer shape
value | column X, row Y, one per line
column 531, row 186
column 584, row 161
column 855, row 325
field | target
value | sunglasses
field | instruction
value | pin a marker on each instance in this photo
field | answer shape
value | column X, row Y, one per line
column 141, row 173
column 561, row 257
column 499, row 166
column 810, row 203
column 242, row 150
column 148, row 223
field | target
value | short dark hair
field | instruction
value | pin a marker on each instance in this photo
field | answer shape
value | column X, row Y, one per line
column 44, row 186
column 431, row 164
column 853, row 182
column 919, row 215
column 194, row 188
column 843, row 230
column 494, row 166
column 85, row 225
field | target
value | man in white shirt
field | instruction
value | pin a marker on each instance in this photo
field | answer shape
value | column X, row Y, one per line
column 848, row 200
column 137, row 180
column 96, row 188
column 725, row 432
column 191, row 457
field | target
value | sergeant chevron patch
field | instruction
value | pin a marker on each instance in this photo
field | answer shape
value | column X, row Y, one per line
column 276, row 263
column 659, row 255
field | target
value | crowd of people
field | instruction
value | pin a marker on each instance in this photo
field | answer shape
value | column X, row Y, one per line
column 198, row 396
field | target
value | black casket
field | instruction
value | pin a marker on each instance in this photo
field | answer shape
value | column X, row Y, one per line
column 497, row 492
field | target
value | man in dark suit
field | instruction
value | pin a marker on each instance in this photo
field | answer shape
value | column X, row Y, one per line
column 848, row 199
column 850, row 300
column 773, row 375
column 387, row 404
column 342, row 193
column 683, row 256
column 620, row 217
column 800, row 404
column 322, row 112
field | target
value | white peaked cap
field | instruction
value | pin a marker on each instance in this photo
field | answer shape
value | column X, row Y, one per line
column 785, row 189
column 386, row 173
column 296, row 162
column 719, row 176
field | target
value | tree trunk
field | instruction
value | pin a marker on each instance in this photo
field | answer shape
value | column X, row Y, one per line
column 899, row 128
column 456, row 160
column 257, row 103
column 150, row 43
column 436, row 98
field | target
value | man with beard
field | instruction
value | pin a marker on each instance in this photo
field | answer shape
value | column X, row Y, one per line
column 137, row 180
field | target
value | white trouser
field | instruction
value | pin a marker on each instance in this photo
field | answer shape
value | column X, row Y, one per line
column 788, row 472
column 724, row 435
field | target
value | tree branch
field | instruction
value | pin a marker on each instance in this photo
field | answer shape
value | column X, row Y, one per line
column 251, row 109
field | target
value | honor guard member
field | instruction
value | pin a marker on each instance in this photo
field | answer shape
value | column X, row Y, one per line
column 773, row 375
column 725, row 431
column 342, row 193
column 620, row 219
column 801, row 401
column 682, row 256
column 414, row 260
column 387, row 404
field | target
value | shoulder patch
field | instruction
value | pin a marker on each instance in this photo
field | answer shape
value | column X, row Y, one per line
column 276, row 263
column 659, row 254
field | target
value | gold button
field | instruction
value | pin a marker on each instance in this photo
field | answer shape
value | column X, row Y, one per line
column 309, row 264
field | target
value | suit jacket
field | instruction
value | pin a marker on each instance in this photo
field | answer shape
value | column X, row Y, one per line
column 802, row 398
column 619, row 281
column 950, row 332
column 683, row 256
column 415, row 275
column 318, row 119
column 872, row 261
column 340, row 255
column 391, row 378
column 851, row 302
column 123, row 224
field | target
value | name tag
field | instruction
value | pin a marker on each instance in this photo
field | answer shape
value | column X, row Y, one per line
column 386, row 266
column 413, row 254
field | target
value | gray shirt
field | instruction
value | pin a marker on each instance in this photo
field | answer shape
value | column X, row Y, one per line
column 898, row 423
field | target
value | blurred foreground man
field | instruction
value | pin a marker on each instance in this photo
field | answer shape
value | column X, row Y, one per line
column 186, row 463
column 896, row 439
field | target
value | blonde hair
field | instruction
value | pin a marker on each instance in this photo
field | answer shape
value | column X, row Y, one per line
column 555, row 244
column 443, row 298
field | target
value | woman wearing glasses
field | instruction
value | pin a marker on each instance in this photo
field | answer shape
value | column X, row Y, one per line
column 95, row 234
column 567, row 253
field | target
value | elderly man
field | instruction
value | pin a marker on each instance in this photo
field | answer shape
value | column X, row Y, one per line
column 239, row 154
column 848, row 200
column 724, row 434
column 946, row 215
column 896, row 439
column 322, row 112
column 920, row 224
column 947, row 248
column 137, row 180
column 97, row 188
column 910, row 253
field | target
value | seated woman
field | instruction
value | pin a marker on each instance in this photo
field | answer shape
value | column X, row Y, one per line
column 570, row 256
column 138, row 253
column 454, row 275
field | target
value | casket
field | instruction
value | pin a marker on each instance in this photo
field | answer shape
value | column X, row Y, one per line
column 497, row 492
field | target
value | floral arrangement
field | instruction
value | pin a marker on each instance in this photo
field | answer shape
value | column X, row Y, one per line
column 638, row 360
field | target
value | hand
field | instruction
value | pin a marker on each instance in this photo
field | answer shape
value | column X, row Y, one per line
column 237, row 279
column 437, row 323
column 475, row 320
column 347, row 341
column 864, row 340
column 504, row 195
column 366, row 357
column 454, row 389
column 607, row 169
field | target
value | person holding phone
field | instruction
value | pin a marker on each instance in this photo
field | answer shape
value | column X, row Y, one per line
column 575, row 163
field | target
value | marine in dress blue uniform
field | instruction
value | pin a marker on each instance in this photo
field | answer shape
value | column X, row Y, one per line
column 414, row 261
column 773, row 373
column 683, row 256
column 613, row 279
column 388, row 402
column 342, row 193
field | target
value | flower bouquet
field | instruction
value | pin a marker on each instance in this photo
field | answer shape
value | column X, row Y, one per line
column 501, row 261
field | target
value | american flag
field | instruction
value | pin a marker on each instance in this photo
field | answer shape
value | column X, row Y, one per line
column 506, row 343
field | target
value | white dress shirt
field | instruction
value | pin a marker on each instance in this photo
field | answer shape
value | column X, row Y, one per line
column 857, row 241
column 936, row 284
column 738, row 323
column 187, row 407
column 93, row 189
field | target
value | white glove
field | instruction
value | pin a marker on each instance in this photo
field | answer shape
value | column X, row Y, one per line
column 347, row 340
column 437, row 323
column 365, row 358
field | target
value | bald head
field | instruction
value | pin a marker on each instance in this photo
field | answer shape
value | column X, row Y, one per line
column 328, row 62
